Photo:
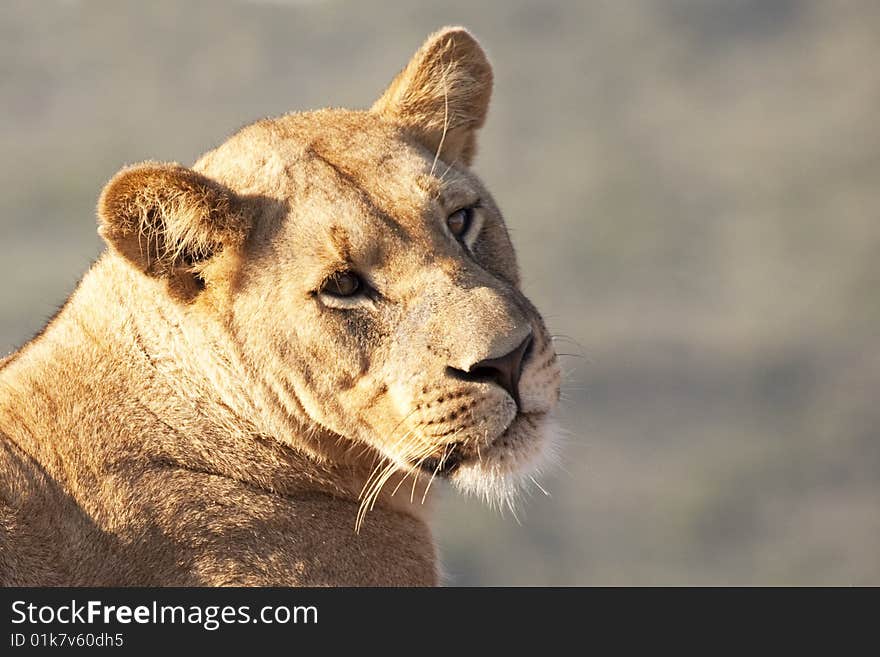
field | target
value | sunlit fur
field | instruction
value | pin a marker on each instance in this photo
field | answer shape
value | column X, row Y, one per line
column 202, row 413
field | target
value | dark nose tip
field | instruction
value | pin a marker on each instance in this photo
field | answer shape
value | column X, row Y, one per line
column 504, row 370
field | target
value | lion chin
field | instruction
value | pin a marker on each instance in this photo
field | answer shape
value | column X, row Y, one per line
column 512, row 465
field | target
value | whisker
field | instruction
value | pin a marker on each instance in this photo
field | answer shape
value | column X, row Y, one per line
column 416, row 479
column 434, row 474
column 379, row 471
column 445, row 123
column 380, row 474
column 409, row 442
column 565, row 338
column 400, row 483
column 540, row 487
column 512, row 507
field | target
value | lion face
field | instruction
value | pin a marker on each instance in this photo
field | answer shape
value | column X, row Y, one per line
column 390, row 295
column 371, row 284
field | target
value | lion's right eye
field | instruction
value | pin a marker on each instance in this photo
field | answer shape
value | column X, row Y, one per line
column 343, row 284
column 459, row 222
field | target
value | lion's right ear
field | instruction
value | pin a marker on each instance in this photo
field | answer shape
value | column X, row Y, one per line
column 167, row 219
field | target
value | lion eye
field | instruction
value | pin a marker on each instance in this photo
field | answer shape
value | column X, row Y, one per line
column 459, row 221
column 343, row 284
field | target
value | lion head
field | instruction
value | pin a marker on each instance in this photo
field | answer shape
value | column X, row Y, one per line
column 364, row 274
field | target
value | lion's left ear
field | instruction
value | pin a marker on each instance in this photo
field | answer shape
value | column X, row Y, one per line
column 169, row 221
column 442, row 96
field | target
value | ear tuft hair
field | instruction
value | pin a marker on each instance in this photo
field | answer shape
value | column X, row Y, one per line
column 442, row 96
column 164, row 217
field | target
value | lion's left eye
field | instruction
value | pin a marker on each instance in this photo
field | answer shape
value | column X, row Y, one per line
column 460, row 221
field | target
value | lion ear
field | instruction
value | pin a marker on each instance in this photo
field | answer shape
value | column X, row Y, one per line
column 169, row 220
column 442, row 95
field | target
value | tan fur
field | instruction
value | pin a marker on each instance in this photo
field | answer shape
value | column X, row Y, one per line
column 200, row 414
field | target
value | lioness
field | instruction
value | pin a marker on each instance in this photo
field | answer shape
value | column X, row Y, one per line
column 279, row 351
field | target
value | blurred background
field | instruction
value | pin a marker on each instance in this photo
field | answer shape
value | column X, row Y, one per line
column 694, row 192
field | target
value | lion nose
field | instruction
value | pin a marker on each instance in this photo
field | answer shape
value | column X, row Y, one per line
column 504, row 370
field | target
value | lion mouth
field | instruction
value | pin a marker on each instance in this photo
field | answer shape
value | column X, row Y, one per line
column 445, row 464
column 451, row 457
